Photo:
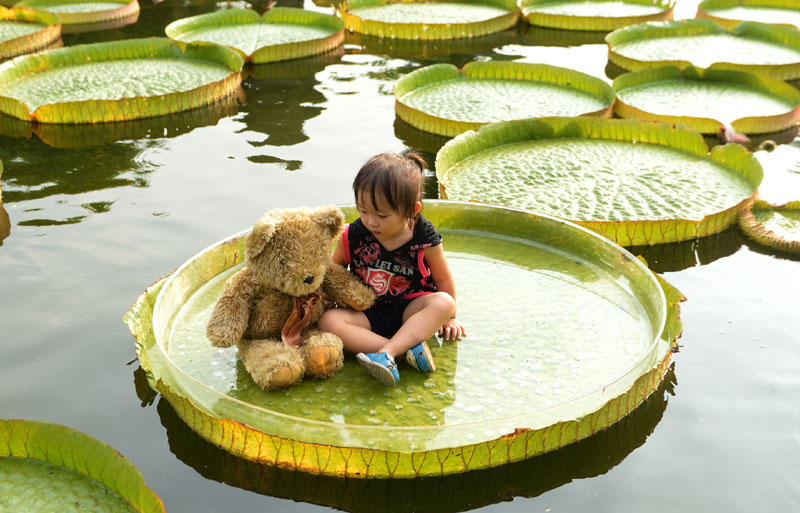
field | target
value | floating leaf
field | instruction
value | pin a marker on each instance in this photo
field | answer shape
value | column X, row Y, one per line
column 77, row 12
column 707, row 99
column 730, row 13
column 774, row 226
column 604, row 175
column 24, row 30
column 428, row 19
column 445, row 100
column 427, row 48
column 449, row 421
column 117, row 81
column 599, row 15
column 752, row 47
column 48, row 467
column 282, row 33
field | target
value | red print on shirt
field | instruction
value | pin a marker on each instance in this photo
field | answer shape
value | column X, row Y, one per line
column 381, row 281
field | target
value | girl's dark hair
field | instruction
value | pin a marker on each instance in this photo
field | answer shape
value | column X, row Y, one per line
column 398, row 178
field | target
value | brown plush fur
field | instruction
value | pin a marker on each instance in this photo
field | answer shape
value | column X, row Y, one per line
column 286, row 247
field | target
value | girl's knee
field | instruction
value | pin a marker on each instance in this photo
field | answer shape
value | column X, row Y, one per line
column 328, row 320
column 444, row 302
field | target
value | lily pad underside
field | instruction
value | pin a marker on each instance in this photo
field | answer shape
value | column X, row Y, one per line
column 444, row 100
column 774, row 226
column 117, row 81
column 708, row 99
column 594, row 15
column 282, row 33
column 636, row 183
column 729, row 13
column 750, row 46
column 23, row 31
column 48, row 467
column 448, row 421
column 428, row 19
column 80, row 12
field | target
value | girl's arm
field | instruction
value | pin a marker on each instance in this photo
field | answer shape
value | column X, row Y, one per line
column 443, row 278
column 338, row 253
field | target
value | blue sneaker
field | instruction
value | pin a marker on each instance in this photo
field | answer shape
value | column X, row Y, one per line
column 420, row 357
column 381, row 366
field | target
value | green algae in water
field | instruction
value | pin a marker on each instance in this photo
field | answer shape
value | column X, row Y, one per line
column 250, row 37
column 613, row 9
column 482, row 100
column 13, row 29
column 113, row 80
column 715, row 100
column 553, row 328
column 783, row 223
column 598, row 180
column 704, row 49
column 761, row 14
column 429, row 12
column 78, row 7
column 31, row 486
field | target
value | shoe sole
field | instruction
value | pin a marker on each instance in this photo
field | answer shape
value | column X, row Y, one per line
column 376, row 370
column 426, row 352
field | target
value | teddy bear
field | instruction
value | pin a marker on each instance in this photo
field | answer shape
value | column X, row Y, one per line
column 270, row 308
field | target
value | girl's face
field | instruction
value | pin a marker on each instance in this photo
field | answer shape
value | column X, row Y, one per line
column 383, row 222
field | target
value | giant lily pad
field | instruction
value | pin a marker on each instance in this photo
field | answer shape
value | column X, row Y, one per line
column 24, row 30
column 570, row 375
column 428, row 19
column 443, row 100
column 750, row 46
column 636, row 183
column 117, row 81
column 79, row 12
column 603, row 15
column 707, row 99
column 282, row 33
column 48, row 467
column 730, row 13
column 774, row 226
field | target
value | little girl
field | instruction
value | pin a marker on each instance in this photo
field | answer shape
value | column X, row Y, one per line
column 398, row 253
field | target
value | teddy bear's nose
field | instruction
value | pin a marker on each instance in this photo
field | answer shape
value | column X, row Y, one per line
column 309, row 279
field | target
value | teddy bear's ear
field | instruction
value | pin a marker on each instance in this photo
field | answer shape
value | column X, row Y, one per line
column 330, row 217
column 262, row 232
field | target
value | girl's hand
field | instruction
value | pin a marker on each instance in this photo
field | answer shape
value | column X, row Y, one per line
column 452, row 330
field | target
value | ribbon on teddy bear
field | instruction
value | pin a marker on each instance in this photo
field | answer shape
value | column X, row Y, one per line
column 298, row 319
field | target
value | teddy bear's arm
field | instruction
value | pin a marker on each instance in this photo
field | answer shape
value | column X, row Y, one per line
column 345, row 289
column 231, row 314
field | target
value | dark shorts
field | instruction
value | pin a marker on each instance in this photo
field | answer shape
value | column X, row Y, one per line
column 386, row 319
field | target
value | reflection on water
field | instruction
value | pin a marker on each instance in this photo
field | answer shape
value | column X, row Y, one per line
column 5, row 223
column 543, row 36
column 677, row 256
column 590, row 457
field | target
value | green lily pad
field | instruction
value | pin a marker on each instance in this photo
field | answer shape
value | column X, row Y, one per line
column 570, row 375
column 428, row 19
column 117, row 81
column 636, row 183
column 74, row 12
column 47, row 467
column 445, row 100
column 602, row 15
column 24, row 30
column 282, row 33
column 730, row 13
column 753, row 47
column 707, row 99
column 774, row 226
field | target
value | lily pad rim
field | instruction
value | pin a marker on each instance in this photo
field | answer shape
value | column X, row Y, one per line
column 156, row 325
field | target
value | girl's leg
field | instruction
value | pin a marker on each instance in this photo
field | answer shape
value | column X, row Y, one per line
column 354, row 330
column 421, row 319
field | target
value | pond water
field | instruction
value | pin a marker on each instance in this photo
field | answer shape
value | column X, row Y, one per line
column 91, row 227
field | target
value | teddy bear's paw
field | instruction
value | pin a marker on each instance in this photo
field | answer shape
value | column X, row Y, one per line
column 220, row 336
column 323, row 354
column 361, row 298
column 271, row 364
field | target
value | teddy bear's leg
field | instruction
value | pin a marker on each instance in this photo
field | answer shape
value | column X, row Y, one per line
column 323, row 353
column 271, row 364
